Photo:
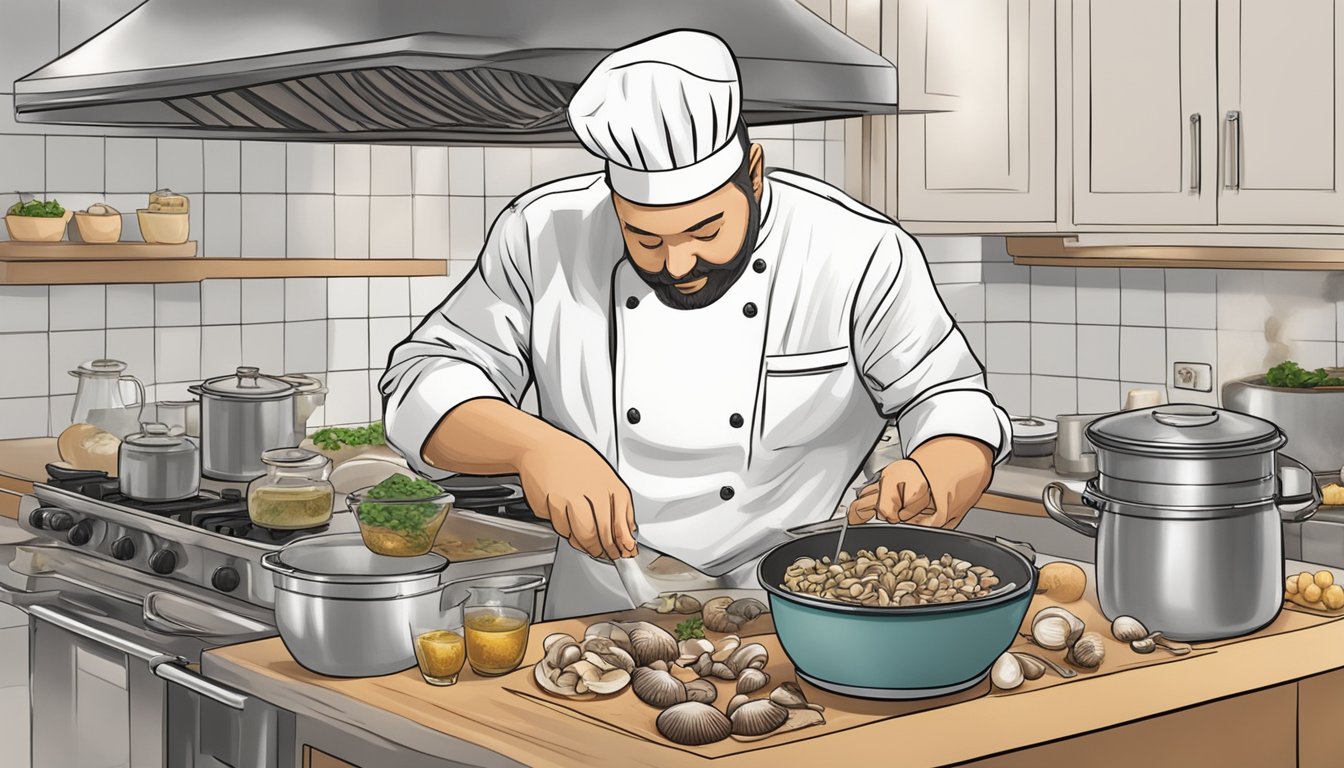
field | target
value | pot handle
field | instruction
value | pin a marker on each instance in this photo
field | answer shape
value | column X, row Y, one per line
column 271, row 562
column 1299, row 495
column 1053, row 500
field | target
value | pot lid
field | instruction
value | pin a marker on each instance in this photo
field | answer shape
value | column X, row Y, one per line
column 1029, row 429
column 342, row 557
column 1185, row 429
column 101, row 367
column 156, row 435
column 247, row 383
column 294, row 458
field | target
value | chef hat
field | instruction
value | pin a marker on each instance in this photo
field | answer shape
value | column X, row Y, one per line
column 664, row 115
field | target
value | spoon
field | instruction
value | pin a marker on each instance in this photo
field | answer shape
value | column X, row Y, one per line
column 840, row 542
column 1063, row 672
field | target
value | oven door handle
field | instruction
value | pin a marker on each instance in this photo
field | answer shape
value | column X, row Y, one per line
column 163, row 665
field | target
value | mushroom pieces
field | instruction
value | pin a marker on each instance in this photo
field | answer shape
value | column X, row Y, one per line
column 582, row 670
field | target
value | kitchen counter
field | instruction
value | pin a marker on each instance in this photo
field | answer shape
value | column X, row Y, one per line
column 1262, row 700
column 23, row 462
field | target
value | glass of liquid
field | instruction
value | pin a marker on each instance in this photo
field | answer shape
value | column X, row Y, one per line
column 498, row 616
column 440, row 648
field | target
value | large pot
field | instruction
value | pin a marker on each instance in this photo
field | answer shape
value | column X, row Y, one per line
column 898, row 653
column 344, row 611
column 154, row 465
column 244, row 415
column 1187, row 509
column 1312, row 419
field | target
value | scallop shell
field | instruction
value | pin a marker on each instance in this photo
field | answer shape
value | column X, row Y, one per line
column 649, row 642
column 657, row 688
column 701, row 690
column 694, row 724
column 736, row 702
column 751, row 680
column 752, row 656
column 756, row 718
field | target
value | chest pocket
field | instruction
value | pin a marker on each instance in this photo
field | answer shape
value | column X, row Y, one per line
column 805, row 394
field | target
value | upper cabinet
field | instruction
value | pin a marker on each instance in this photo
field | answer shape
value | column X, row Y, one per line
column 979, row 76
column 1281, row 98
column 1145, row 112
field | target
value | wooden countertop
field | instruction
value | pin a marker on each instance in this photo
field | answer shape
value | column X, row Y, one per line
column 22, row 462
column 498, row 727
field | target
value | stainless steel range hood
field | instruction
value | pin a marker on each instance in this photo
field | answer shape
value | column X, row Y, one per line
column 423, row 71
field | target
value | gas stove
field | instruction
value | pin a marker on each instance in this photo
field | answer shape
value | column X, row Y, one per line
column 207, row 541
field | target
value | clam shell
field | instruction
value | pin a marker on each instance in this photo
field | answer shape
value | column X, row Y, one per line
column 554, row 638
column 790, row 696
column 714, row 614
column 563, row 653
column 756, row 718
column 611, row 681
column 751, row 680
column 725, row 648
column 562, row 685
column 736, row 702
column 649, row 642
column 657, row 688
column 692, row 649
column 686, row 604
column 693, row 724
column 701, row 690
column 749, row 656
column 745, row 609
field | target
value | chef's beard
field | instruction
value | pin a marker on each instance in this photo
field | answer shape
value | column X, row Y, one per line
column 718, row 277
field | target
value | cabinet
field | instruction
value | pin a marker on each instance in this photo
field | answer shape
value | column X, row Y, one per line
column 977, row 84
column 1145, row 122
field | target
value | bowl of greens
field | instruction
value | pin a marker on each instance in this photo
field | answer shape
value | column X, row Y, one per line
column 401, row 516
column 37, row 221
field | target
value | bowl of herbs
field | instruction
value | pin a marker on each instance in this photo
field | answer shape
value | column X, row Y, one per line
column 36, row 221
column 401, row 516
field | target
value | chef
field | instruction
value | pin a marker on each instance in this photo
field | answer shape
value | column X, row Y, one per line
column 715, row 348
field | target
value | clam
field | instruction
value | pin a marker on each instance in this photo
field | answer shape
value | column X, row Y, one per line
column 736, row 702
column 694, row 724
column 686, row 605
column 594, row 679
column 1088, row 652
column 605, row 654
column 751, row 680
column 1007, row 672
column 744, row 610
column 790, row 696
column 657, row 688
column 701, row 690
column 1143, row 645
column 673, row 603
column 563, row 652
column 753, row 656
column 692, row 649
column 1055, row 628
column 660, row 664
column 725, row 648
column 554, row 638
column 1032, row 667
column 707, row 667
column 650, row 642
column 724, row 614
column 757, row 718
column 1127, row 629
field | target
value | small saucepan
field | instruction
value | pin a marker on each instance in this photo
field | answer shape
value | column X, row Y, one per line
column 910, row 652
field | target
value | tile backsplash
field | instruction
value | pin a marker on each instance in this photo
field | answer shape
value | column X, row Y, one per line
column 256, row 199
column 1062, row 340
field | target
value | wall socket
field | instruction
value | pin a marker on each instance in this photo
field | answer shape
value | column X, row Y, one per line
column 1195, row 377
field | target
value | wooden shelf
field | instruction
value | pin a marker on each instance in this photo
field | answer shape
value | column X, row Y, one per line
column 1064, row 252
column 159, row 270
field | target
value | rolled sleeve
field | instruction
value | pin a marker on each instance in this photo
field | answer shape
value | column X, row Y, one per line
column 916, row 363
column 473, row 345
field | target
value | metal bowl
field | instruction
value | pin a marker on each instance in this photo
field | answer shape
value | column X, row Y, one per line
column 898, row 653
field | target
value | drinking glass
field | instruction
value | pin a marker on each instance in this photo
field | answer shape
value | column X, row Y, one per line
column 440, row 648
column 498, row 616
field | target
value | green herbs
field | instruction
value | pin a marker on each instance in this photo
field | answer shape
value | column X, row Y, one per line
column 401, row 486
column 407, row 526
column 1290, row 374
column 38, row 209
column 334, row 438
column 690, row 629
column 404, row 517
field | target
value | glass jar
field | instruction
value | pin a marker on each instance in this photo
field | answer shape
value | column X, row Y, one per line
column 98, row 398
column 294, row 493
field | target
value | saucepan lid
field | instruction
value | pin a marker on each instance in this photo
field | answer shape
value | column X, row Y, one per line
column 1185, row 430
column 1030, row 429
column 246, row 383
column 342, row 558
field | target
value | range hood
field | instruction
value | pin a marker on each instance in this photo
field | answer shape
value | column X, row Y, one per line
column 423, row 71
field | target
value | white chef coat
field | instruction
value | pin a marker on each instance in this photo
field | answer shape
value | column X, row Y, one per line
column 833, row 330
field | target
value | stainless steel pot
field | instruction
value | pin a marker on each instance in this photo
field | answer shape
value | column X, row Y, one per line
column 1188, row 496
column 154, row 465
column 344, row 611
column 1311, row 419
column 243, row 415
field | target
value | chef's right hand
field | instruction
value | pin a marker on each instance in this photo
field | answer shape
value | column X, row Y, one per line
column 568, row 483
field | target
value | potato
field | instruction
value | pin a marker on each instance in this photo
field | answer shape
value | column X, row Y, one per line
column 1062, row 581
column 1333, row 597
column 1333, row 495
column 1324, row 579
column 1312, row 594
column 1290, row 585
column 1304, row 580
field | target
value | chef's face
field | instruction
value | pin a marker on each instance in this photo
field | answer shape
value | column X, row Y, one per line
column 690, row 254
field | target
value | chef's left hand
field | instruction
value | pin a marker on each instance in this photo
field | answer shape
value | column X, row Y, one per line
column 900, row 495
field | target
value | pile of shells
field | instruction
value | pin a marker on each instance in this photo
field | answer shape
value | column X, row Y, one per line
column 583, row 670
column 886, row 578
column 694, row 723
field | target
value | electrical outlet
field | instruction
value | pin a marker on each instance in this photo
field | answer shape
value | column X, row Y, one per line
column 1195, row 377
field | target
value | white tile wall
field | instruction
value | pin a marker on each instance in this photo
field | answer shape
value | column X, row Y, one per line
column 223, row 166
column 352, row 169
column 223, row 225
column 221, row 302
column 67, row 349
column 310, row 226
column 310, row 168
column 390, row 172
column 263, row 166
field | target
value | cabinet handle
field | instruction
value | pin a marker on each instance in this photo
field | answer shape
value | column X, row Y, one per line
column 1234, row 147
column 1196, row 153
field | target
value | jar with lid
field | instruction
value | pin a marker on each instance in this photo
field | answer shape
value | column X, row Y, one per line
column 294, row 493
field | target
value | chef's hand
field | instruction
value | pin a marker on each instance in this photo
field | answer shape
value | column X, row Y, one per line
column 900, row 495
column 568, row 483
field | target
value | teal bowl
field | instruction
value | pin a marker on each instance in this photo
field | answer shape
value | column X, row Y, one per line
column 907, row 652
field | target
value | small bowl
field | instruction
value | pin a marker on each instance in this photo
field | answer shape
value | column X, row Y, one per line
column 399, row 527
column 37, row 229
column 160, row 227
column 98, row 228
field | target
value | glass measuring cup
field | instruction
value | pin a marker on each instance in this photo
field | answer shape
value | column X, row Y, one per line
column 497, row 618
column 98, row 399
column 440, row 648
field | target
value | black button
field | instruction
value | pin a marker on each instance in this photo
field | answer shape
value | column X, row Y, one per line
column 225, row 579
column 632, row 415
column 631, row 303
column 726, row 492
column 749, row 310
column 735, row 420
column 758, row 265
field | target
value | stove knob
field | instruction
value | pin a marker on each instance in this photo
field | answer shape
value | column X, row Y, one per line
column 163, row 561
column 59, row 520
column 225, row 579
column 38, row 517
column 123, row 548
column 80, row 534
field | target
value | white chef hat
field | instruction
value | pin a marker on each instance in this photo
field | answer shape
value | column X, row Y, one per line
column 664, row 115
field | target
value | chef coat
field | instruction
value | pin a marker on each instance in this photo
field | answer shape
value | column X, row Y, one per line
column 730, row 423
